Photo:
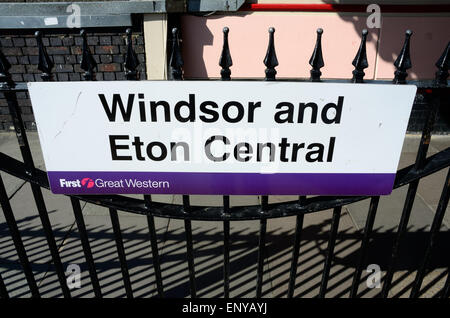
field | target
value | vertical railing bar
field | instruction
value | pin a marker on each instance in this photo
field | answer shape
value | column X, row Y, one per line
column 15, row 234
column 445, row 293
column 226, row 62
column 19, row 127
column 296, row 249
column 190, row 257
column 410, row 196
column 3, row 290
column 226, row 258
column 402, row 228
column 36, row 190
column 121, row 251
column 131, row 59
column 86, row 246
column 189, row 247
column 154, row 246
column 131, row 74
column 226, row 248
column 435, row 227
column 42, row 209
column 155, row 255
column 364, row 244
column 316, row 61
column 176, row 64
column 360, row 63
column 426, row 133
column 261, row 256
column 270, row 61
column 261, row 245
column 402, row 64
column 330, row 251
column 87, row 63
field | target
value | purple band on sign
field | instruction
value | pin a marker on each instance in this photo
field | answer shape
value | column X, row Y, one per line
column 100, row 182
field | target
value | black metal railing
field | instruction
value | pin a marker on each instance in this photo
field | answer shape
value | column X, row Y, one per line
column 433, row 90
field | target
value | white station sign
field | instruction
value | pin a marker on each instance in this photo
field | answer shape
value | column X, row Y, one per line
column 212, row 137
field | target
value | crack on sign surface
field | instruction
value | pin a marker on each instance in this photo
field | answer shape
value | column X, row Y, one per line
column 71, row 115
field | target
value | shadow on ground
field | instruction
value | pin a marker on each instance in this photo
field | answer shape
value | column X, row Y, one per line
column 208, row 251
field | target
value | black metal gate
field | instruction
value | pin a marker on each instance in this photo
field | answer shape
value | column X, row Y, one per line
column 435, row 92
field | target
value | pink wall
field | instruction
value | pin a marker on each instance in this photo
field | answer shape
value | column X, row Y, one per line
column 295, row 38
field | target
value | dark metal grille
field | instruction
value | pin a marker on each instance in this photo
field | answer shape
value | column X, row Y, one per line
column 434, row 91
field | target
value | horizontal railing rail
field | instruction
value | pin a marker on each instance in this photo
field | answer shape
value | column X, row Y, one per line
column 404, row 176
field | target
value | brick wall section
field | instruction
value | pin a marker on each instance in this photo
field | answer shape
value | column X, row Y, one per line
column 108, row 49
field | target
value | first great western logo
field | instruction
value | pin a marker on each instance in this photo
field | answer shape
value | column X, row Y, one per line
column 83, row 183
column 88, row 183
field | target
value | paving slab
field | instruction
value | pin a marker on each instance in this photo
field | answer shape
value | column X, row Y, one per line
column 409, row 150
column 446, row 221
column 412, row 247
column 10, row 146
column 282, row 198
column 314, row 242
column 244, row 237
column 174, row 264
column 174, row 261
column 411, row 143
column 31, row 230
column 430, row 190
column 430, row 187
column 390, row 210
column 163, row 198
column 208, row 251
column 402, row 283
column 432, row 284
column 14, row 279
column 440, row 142
column 137, row 250
column 12, row 184
column 208, row 259
column 217, row 200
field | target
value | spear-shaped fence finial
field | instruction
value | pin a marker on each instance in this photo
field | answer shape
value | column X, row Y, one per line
column 316, row 60
column 442, row 65
column 403, row 61
column 45, row 64
column 131, row 59
column 225, row 58
column 271, row 61
column 176, row 60
column 88, row 63
column 360, row 61
column 5, row 77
